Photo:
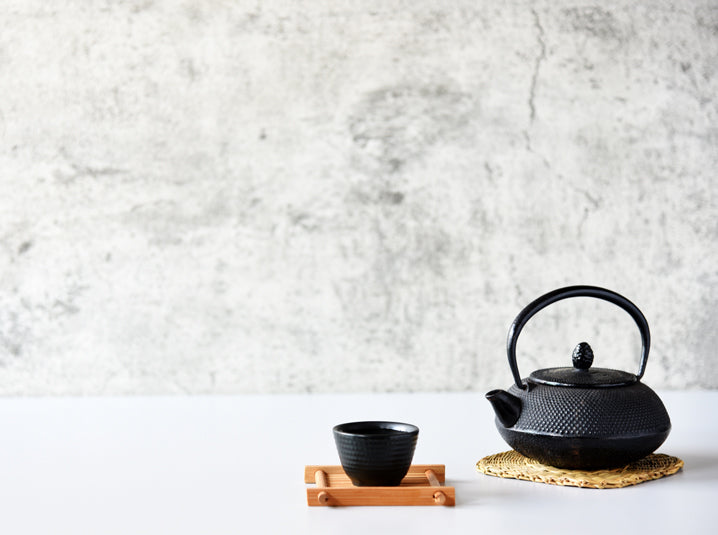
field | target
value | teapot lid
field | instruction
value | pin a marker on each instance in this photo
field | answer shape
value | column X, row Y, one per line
column 582, row 375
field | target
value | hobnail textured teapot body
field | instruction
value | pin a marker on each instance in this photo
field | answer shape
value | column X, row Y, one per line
column 588, row 428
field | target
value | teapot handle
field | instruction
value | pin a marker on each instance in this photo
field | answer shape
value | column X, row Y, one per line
column 576, row 291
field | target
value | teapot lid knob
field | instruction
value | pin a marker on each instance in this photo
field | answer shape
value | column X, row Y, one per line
column 582, row 356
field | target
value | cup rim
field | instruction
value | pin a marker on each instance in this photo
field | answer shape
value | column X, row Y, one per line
column 369, row 428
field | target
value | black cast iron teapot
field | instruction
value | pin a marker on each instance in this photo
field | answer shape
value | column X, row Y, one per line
column 580, row 417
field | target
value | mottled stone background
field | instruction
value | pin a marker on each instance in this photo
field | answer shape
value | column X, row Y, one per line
column 223, row 197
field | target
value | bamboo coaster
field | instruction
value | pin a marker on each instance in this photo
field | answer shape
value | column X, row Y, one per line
column 424, row 484
column 513, row 465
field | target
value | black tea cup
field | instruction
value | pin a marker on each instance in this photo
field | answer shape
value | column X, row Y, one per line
column 376, row 454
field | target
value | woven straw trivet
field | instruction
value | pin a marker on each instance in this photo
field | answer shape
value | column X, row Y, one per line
column 511, row 464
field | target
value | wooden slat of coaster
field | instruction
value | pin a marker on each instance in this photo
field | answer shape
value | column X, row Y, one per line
column 511, row 464
column 343, row 496
column 416, row 473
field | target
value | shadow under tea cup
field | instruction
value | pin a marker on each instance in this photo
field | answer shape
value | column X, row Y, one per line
column 376, row 453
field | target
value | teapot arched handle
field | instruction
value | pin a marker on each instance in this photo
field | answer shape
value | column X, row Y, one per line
column 576, row 291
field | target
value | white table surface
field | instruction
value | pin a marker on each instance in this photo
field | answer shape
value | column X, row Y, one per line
column 216, row 465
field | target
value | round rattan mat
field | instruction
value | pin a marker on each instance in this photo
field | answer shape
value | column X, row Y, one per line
column 511, row 464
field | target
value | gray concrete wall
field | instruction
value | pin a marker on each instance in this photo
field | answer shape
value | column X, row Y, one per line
column 222, row 197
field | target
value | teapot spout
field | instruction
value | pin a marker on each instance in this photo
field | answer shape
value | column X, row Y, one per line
column 506, row 406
